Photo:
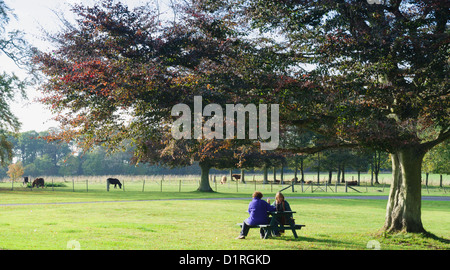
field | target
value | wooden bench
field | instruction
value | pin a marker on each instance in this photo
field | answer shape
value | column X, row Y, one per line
column 269, row 228
column 266, row 227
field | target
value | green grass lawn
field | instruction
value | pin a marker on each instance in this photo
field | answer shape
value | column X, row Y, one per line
column 159, row 223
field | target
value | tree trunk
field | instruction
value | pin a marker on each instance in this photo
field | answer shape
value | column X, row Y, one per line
column 302, row 171
column 265, row 181
column 377, row 165
column 403, row 211
column 339, row 174
column 204, row 181
column 343, row 173
column 318, row 167
column 295, row 173
column 371, row 171
column 282, row 175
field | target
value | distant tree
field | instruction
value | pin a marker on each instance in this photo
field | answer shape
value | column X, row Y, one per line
column 438, row 160
column 361, row 161
column 93, row 163
column 15, row 171
column 70, row 166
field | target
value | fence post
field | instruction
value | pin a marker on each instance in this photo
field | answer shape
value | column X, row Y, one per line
column 73, row 185
column 123, row 185
column 345, row 186
column 53, row 186
column 143, row 185
column 87, row 184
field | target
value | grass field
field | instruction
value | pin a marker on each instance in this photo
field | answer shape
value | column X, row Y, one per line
column 174, row 220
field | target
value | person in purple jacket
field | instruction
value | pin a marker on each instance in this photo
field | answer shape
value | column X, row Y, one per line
column 258, row 214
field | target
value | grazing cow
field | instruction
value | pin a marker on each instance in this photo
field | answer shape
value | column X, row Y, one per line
column 277, row 181
column 309, row 182
column 352, row 183
column 224, row 180
column 38, row 182
column 114, row 181
column 236, row 176
column 25, row 181
column 294, row 180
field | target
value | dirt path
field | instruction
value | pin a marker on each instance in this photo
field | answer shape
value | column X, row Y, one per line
column 424, row 198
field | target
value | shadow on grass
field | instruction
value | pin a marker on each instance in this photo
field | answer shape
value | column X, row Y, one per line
column 325, row 240
column 437, row 238
column 424, row 240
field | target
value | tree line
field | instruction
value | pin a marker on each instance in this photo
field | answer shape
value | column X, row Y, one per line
column 40, row 157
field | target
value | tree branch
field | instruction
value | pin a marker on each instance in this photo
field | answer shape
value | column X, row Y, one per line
column 315, row 149
column 443, row 135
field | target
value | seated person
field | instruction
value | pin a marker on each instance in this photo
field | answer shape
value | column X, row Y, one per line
column 258, row 214
column 281, row 205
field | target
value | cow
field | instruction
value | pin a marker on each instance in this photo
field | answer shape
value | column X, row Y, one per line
column 25, row 181
column 114, row 181
column 38, row 182
column 224, row 180
column 352, row 183
column 236, row 176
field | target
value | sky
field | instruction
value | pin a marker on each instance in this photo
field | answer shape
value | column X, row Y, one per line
column 31, row 17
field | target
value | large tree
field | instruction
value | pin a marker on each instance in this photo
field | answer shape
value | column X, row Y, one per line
column 116, row 74
column 12, row 46
column 364, row 74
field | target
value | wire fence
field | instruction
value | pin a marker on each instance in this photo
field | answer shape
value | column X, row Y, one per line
column 252, row 182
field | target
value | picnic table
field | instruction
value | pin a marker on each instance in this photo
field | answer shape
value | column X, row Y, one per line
column 274, row 224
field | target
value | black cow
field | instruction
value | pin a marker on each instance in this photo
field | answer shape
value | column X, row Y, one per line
column 236, row 176
column 38, row 182
column 25, row 181
column 114, row 181
column 352, row 183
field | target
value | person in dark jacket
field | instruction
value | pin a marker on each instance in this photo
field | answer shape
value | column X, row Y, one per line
column 258, row 214
column 281, row 205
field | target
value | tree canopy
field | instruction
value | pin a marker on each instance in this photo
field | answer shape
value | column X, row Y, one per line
column 357, row 73
column 362, row 74
column 12, row 46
